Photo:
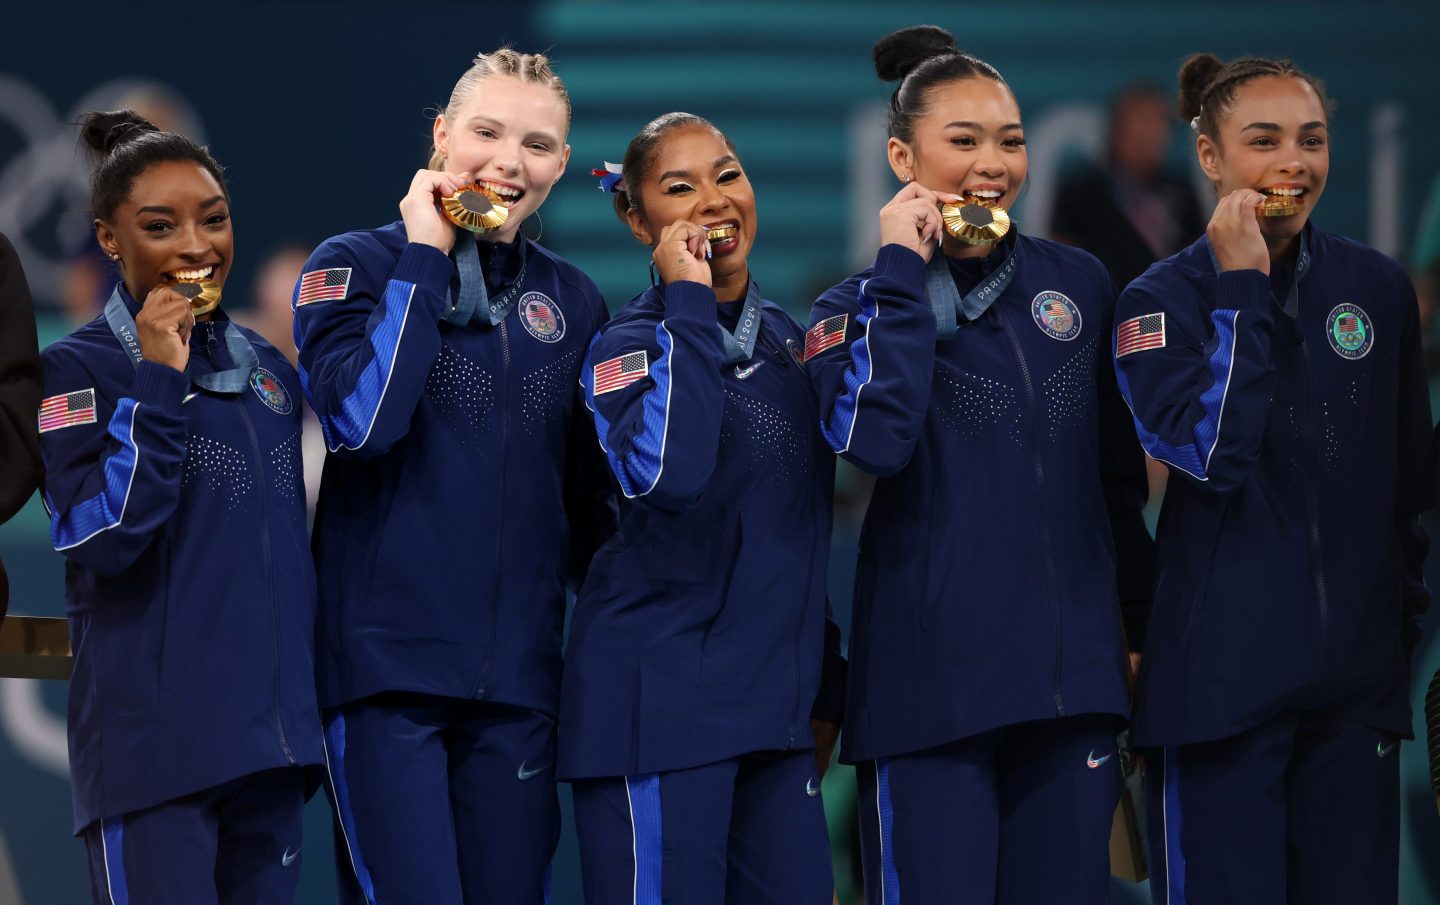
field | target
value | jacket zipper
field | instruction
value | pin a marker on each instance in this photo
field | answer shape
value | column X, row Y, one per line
column 1312, row 508
column 1044, row 510
column 265, row 554
column 489, row 662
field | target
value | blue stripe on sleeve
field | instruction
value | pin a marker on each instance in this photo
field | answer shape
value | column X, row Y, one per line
column 334, row 743
column 106, row 509
column 1194, row 459
column 351, row 427
column 640, row 470
column 840, row 429
column 647, row 838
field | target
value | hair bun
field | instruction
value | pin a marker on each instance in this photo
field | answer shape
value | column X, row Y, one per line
column 898, row 53
column 104, row 132
column 1196, row 74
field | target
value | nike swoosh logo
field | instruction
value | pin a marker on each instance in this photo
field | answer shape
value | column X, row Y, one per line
column 523, row 774
column 743, row 373
column 1092, row 761
column 189, row 396
column 811, row 788
column 1382, row 749
column 289, row 857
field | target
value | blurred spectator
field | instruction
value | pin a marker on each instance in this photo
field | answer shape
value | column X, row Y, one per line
column 1130, row 211
column 272, row 317
column 19, row 394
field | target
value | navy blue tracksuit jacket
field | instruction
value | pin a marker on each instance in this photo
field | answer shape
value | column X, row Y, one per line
column 986, row 592
column 1290, row 553
column 189, row 585
column 456, row 504
column 702, row 627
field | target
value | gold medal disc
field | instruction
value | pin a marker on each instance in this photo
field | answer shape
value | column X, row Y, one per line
column 204, row 295
column 475, row 208
column 977, row 224
column 1280, row 206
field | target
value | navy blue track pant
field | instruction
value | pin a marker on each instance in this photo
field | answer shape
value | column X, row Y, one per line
column 441, row 800
column 1303, row 809
column 745, row 831
column 237, row 843
column 1019, row 816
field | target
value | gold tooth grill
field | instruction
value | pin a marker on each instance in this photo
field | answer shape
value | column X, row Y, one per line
column 204, row 295
column 976, row 224
column 720, row 233
column 1280, row 205
column 475, row 208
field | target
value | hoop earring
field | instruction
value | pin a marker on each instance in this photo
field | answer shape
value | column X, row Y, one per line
column 536, row 237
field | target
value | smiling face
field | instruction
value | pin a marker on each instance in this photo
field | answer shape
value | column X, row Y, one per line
column 1273, row 139
column 509, row 135
column 175, row 224
column 969, row 141
column 695, row 176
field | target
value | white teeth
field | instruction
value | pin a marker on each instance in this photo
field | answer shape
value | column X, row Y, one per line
column 984, row 193
column 1286, row 192
column 504, row 191
column 201, row 274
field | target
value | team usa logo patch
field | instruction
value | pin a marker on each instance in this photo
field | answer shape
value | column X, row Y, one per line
column 270, row 390
column 1140, row 333
column 1056, row 315
column 1350, row 332
column 322, row 286
column 542, row 317
column 620, row 372
column 829, row 332
column 67, row 410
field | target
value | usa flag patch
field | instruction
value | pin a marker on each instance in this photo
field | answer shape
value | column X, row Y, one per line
column 1140, row 333
column 827, row 333
column 323, row 286
column 67, row 410
column 620, row 372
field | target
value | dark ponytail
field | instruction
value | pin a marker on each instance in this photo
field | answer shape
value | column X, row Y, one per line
column 1208, row 86
column 127, row 145
column 920, row 58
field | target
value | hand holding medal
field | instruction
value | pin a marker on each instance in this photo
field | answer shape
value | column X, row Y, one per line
column 1234, row 232
column 913, row 219
column 420, row 208
column 202, row 292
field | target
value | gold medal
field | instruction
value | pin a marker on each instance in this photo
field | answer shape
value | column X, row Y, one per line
column 975, row 223
column 475, row 208
column 204, row 295
column 1280, row 206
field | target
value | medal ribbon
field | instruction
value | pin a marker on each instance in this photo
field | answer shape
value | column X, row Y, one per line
column 473, row 303
column 944, row 297
column 122, row 324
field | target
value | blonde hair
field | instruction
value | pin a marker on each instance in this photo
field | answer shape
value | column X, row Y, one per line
column 527, row 67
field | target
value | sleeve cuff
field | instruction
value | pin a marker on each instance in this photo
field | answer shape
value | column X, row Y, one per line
column 159, row 385
column 898, row 263
column 429, row 268
column 689, row 300
column 1242, row 290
